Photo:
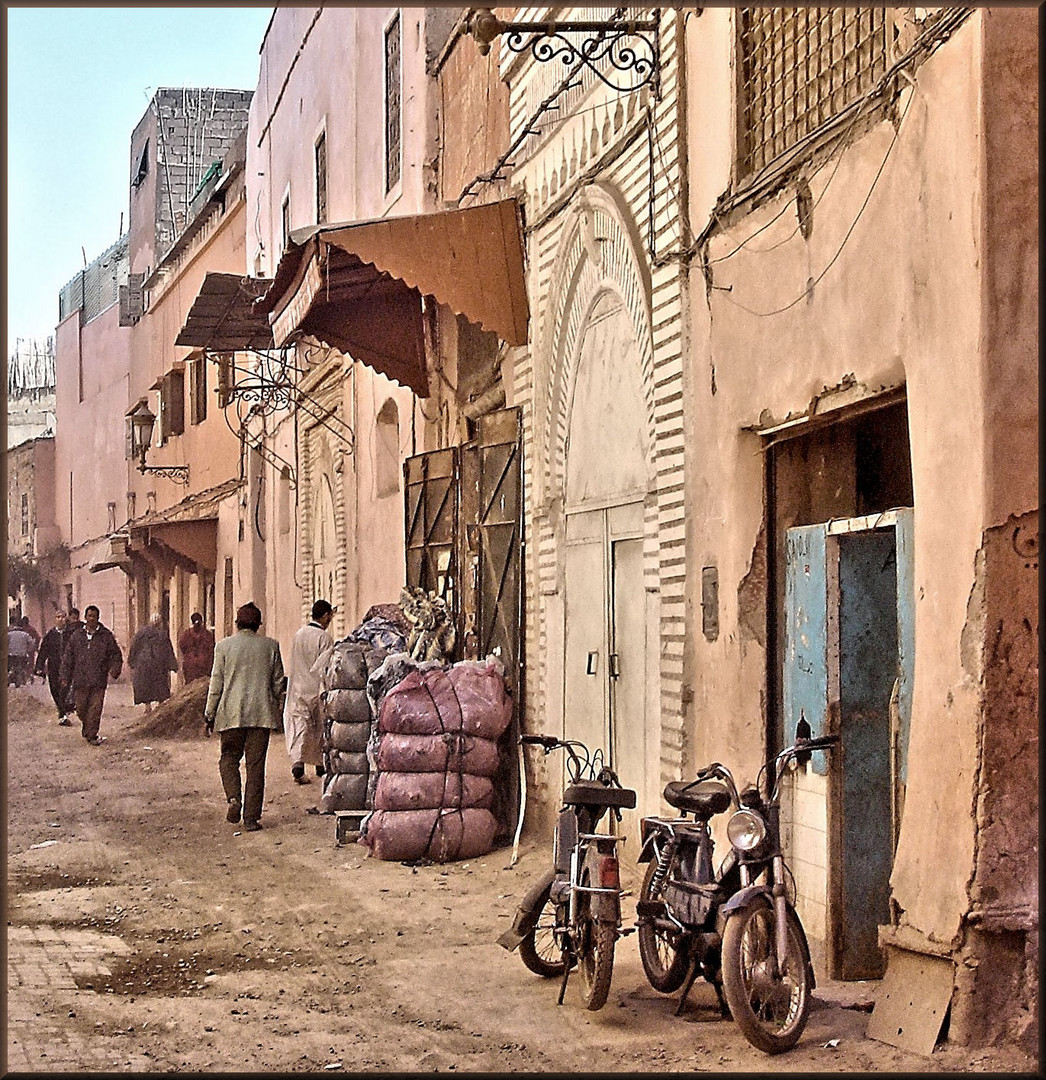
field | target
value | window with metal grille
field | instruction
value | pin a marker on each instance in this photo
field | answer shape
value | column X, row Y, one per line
column 285, row 221
column 393, row 99
column 799, row 67
column 198, row 390
column 321, row 178
column 172, row 405
column 25, row 515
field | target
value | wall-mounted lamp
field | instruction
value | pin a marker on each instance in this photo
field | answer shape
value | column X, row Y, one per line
column 630, row 46
column 142, row 421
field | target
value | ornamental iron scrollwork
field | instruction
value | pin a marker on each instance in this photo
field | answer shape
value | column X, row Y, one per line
column 630, row 47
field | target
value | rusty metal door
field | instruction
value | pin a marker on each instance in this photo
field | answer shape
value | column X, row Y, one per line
column 431, row 497
column 497, row 542
column 463, row 533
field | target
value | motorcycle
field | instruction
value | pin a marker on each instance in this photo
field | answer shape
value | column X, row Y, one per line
column 736, row 927
column 571, row 917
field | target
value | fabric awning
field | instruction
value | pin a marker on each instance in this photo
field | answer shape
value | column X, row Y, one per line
column 190, row 527
column 358, row 285
column 110, row 553
column 228, row 314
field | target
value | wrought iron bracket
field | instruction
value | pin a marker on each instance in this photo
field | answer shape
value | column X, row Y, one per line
column 178, row 473
column 631, row 46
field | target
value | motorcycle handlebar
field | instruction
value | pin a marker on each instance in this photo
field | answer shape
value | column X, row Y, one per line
column 822, row 742
column 549, row 742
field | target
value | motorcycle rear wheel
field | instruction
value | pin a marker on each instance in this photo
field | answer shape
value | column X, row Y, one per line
column 770, row 1011
column 665, row 959
column 538, row 950
column 595, row 956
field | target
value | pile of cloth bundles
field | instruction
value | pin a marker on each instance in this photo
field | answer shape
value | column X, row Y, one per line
column 348, row 715
column 433, row 758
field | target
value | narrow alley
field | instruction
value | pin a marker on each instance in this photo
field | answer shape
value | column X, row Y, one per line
column 145, row 933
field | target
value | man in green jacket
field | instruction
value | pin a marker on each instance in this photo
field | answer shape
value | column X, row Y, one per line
column 243, row 706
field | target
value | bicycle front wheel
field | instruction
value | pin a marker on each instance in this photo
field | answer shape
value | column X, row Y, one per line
column 770, row 1003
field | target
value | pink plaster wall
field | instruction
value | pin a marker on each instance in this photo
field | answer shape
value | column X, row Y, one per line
column 210, row 447
column 335, row 84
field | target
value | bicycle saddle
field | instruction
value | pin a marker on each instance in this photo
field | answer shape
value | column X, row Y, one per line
column 593, row 793
column 704, row 798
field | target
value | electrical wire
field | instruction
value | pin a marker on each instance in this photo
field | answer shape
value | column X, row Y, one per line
column 941, row 29
column 810, row 287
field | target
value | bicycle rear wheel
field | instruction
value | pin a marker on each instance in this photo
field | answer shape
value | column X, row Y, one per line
column 538, row 950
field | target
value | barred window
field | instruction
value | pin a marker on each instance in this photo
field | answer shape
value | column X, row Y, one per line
column 25, row 514
column 799, row 67
column 198, row 390
column 393, row 98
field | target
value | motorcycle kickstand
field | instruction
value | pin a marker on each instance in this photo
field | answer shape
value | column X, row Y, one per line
column 691, row 975
column 724, row 1008
column 566, row 975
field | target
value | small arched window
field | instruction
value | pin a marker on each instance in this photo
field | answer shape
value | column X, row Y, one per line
column 387, row 452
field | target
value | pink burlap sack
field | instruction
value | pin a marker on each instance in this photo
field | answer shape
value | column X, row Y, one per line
column 468, row 697
column 436, row 753
column 432, row 791
column 439, row 835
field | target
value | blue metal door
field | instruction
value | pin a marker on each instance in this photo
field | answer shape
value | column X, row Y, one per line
column 868, row 667
column 806, row 636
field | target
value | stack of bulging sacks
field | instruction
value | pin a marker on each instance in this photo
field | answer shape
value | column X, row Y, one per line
column 433, row 758
column 348, row 716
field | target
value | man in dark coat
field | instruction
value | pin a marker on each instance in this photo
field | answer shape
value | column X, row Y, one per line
column 91, row 658
column 197, row 648
column 49, row 663
column 151, row 660
column 72, row 624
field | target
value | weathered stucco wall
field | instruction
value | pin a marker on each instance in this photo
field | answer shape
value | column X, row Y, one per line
column 895, row 215
column 918, row 267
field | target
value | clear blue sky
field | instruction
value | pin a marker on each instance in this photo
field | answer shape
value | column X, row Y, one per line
column 78, row 81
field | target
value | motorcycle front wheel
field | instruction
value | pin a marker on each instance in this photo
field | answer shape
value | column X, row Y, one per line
column 595, row 955
column 538, row 950
column 770, row 1008
column 665, row 958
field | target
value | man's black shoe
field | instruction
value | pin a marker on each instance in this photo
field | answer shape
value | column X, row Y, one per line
column 232, row 815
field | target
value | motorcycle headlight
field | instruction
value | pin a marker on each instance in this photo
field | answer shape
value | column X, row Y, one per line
column 746, row 830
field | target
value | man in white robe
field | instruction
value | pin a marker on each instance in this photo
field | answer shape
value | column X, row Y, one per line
column 302, row 717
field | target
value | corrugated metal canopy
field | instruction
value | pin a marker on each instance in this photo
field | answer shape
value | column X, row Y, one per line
column 358, row 285
column 228, row 314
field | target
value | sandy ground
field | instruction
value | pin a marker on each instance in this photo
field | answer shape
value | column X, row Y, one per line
column 284, row 951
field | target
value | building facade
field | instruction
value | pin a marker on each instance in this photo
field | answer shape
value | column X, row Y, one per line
column 861, row 492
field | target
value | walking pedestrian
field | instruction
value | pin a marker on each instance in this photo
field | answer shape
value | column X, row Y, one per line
column 28, row 627
column 72, row 624
column 90, row 659
column 151, row 660
column 197, row 648
column 19, row 653
column 302, row 722
column 243, row 706
column 49, row 664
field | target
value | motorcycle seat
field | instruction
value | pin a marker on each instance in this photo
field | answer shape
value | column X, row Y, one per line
column 593, row 793
column 705, row 798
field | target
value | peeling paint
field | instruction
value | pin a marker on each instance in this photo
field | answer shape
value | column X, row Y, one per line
column 752, row 593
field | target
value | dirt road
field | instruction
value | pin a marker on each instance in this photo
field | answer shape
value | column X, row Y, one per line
column 146, row 933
